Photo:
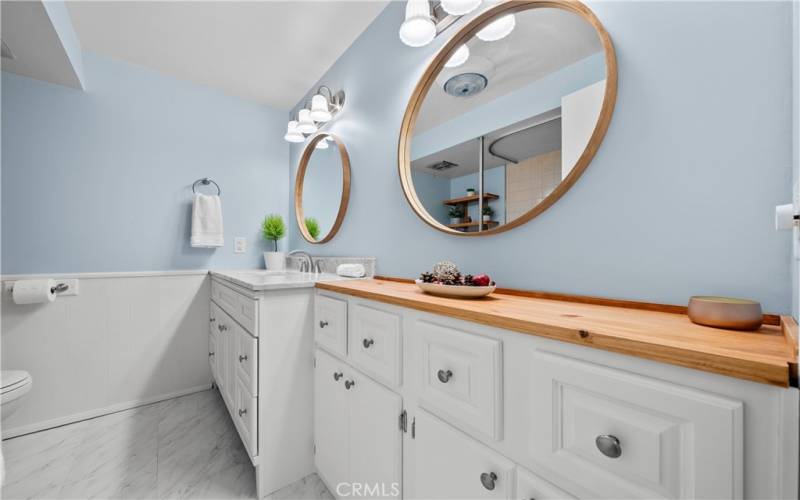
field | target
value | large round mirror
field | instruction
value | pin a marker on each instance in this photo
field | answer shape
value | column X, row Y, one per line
column 322, row 188
column 507, row 116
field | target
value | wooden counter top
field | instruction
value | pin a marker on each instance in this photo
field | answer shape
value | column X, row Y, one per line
column 768, row 356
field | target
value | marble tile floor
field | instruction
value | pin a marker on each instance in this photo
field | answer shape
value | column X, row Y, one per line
column 185, row 447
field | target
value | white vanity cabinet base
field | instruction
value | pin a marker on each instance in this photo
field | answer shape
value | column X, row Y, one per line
column 450, row 464
column 263, row 366
column 357, row 435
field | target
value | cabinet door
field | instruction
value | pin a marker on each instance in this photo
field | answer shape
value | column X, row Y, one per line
column 330, row 420
column 330, row 323
column 212, row 354
column 375, row 437
column 531, row 486
column 450, row 464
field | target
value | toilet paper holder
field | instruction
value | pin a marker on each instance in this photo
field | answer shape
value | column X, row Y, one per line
column 62, row 287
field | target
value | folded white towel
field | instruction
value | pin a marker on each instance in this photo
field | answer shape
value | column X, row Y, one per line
column 351, row 270
column 207, row 221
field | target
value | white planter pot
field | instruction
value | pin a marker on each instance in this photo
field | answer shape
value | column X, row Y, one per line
column 487, row 218
column 275, row 261
column 455, row 220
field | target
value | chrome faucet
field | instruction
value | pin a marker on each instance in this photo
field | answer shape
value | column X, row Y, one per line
column 306, row 263
column 318, row 266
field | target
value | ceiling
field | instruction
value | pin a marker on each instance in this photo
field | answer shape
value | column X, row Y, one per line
column 271, row 52
column 543, row 41
column 522, row 140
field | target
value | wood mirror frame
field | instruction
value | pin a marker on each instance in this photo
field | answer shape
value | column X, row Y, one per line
column 435, row 66
column 298, row 187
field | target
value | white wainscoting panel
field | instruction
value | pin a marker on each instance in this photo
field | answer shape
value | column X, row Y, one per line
column 127, row 339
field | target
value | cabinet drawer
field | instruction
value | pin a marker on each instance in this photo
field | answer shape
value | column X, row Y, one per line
column 330, row 323
column 245, row 416
column 450, row 464
column 241, row 307
column 246, row 360
column 375, row 343
column 529, row 485
column 461, row 377
column 657, row 439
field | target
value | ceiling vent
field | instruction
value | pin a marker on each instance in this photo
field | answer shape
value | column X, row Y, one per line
column 442, row 165
column 466, row 84
column 5, row 52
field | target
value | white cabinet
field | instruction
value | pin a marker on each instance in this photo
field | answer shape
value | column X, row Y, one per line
column 356, row 431
column 450, row 464
column 375, row 342
column 532, row 487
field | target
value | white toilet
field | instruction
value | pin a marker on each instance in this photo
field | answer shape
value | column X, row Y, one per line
column 14, row 384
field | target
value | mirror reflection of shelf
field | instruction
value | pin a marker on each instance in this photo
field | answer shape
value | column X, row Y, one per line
column 467, row 225
column 464, row 200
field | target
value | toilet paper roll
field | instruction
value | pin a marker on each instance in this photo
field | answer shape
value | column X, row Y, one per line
column 784, row 216
column 33, row 292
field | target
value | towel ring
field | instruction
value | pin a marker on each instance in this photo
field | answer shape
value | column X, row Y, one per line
column 205, row 181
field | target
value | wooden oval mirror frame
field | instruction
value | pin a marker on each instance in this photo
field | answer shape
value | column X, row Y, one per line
column 435, row 66
column 298, row 187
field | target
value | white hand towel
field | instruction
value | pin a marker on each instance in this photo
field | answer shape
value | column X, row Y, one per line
column 351, row 270
column 207, row 221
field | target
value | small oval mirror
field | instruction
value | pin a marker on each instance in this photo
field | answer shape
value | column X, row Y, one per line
column 322, row 188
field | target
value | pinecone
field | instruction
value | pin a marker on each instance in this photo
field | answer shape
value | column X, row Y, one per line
column 444, row 271
column 468, row 280
column 427, row 277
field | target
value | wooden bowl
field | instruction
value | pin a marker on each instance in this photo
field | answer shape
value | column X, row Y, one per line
column 726, row 312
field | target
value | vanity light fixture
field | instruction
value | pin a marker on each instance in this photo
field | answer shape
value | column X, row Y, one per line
column 418, row 29
column 498, row 29
column 323, row 109
column 458, row 58
column 460, row 7
column 304, row 122
column 292, row 134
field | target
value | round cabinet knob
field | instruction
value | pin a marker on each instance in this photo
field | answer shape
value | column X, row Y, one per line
column 367, row 342
column 488, row 480
column 210, row 354
column 349, row 383
column 242, row 358
column 444, row 376
column 608, row 445
column 337, row 376
column 242, row 412
column 323, row 324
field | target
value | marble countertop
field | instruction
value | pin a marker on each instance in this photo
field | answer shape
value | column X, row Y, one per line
column 261, row 279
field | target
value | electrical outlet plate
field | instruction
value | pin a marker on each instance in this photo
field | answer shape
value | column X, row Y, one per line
column 239, row 245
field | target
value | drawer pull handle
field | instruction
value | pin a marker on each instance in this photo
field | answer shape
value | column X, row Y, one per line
column 444, row 376
column 349, row 383
column 242, row 358
column 242, row 412
column 337, row 376
column 608, row 445
column 488, row 480
column 210, row 354
column 323, row 324
column 367, row 342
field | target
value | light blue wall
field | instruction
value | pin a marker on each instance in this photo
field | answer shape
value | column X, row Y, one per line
column 101, row 180
column 536, row 98
column 680, row 197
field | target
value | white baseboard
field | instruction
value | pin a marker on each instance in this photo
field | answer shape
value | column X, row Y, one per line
column 99, row 412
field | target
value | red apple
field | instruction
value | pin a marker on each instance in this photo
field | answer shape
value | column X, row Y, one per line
column 481, row 280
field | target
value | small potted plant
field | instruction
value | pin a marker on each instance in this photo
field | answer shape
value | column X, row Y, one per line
column 312, row 226
column 273, row 230
column 471, row 191
column 455, row 212
column 488, row 213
